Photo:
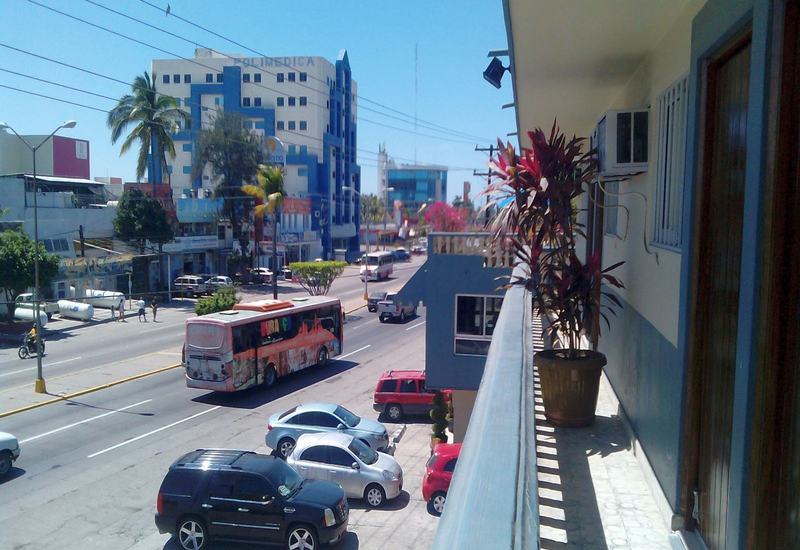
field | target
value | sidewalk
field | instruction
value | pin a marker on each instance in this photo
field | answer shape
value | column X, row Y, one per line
column 96, row 377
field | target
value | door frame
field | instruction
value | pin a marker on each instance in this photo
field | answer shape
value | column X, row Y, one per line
column 718, row 24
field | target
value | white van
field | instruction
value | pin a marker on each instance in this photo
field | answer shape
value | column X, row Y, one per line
column 377, row 265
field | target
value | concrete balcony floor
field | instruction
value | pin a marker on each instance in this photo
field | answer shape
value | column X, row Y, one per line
column 592, row 491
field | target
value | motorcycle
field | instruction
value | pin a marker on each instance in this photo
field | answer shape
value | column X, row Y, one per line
column 28, row 348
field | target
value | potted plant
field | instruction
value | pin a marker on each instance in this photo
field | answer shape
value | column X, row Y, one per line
column 438, row 415
column 537, row 196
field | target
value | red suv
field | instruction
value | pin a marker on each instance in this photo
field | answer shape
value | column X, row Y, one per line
column 401, row 392
column 438, row 473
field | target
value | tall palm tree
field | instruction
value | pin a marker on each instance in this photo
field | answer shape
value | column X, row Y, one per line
column 371, row 210
column 270, row 191
column 153, row 117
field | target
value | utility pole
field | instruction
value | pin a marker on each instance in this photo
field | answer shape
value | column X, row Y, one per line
column 487, row 174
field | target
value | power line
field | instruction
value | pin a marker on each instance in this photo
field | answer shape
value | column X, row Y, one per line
column 53, row 98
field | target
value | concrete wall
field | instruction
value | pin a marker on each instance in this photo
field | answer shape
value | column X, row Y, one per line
column 463, row 402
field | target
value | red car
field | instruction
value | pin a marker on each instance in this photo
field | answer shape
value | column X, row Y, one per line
column 438, row 473
column 402, row 392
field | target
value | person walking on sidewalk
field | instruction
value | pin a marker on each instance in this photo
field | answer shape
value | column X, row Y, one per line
column 154, row 305
column 142, row 312
column 122, row 311
column 113, row 316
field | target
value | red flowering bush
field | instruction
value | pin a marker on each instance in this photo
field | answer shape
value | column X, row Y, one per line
column 443, row 217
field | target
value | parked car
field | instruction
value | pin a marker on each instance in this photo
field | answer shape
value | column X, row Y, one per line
column 25, row 301
column 190, row 285
column 284, row 429
column 242, row 496
column 390, row 308
column 261, row 275
column 218, row 281
column 374, row 298
column 402, row 392
column 417, row 249
column 344, row 460
column 438, row 473
column 9, row 452
column 401, row 255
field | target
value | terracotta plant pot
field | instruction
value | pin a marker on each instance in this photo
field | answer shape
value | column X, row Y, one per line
column 569, row 386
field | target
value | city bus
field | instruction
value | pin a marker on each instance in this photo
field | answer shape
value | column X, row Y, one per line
column 378, row 265
column 256, row 343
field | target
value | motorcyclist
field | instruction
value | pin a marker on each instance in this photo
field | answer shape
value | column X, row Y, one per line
column 30, row 339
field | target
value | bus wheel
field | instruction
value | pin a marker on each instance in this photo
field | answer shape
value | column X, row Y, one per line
column 322, row 358
column 270, row 376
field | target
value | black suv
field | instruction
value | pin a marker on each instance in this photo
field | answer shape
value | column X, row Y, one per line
column 247, row 497
column 374, row 298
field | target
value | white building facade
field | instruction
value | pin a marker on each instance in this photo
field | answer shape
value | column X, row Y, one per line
column 307, row 102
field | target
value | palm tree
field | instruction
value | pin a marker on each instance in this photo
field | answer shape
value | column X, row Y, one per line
column 154, row 118
column 371, row 210
column 270, row 191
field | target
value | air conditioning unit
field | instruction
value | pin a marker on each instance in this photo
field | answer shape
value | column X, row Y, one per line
column 620, row 139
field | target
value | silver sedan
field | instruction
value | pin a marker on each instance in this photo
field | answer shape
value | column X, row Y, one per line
column 340, row 458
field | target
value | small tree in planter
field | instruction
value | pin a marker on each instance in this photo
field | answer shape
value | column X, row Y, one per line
column 537, row 194
column 438, row 415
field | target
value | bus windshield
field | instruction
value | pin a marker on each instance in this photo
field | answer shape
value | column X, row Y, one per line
column 205, row 335
column 372, row 260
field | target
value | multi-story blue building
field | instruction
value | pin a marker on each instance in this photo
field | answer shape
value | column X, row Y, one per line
column 308, row 103
column 412, row 184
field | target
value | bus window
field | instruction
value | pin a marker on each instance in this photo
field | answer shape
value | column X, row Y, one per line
column 245, row 337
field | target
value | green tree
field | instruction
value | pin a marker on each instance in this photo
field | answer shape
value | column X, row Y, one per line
column 372, row 211
column 222, row 300
column 233, row 154
column 317, row 277
column 141, row 218
column 270, row 191
column 152, row 119
column 17, row 259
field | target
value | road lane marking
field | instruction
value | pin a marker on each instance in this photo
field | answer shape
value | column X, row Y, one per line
column 354, row 352
column 43, row 366
column 415, row 326
column 68, row 426
column 161, row 429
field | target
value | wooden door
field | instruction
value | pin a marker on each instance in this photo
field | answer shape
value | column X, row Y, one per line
column 719, row 242
column 774, row 516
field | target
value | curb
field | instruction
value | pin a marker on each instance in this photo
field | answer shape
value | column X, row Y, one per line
column 84, row 392
column 362, row 306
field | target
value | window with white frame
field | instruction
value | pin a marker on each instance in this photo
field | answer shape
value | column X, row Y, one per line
column 476, row 317
column 610, row 207
column 671, row 146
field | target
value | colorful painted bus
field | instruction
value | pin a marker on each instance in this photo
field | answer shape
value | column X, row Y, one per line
column 258, row 342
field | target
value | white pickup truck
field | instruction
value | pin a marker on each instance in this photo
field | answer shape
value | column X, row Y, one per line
column 9, row 452
column 26, row 301
column 389, row 308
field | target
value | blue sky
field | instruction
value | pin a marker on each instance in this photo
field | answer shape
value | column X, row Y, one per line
column 453, row 39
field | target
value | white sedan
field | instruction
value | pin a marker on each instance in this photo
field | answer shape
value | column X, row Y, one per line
column 339, row 458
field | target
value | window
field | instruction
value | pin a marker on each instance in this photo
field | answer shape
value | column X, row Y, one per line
column 408, row 386
column 165, row 79
column 245, row 337
column 219, row 77
column 304, row 149
column 303, row 101
column 327, row 103
column 610, row 210
column 260, row 125
column 303, row 125
column 280, row 125
column 315, row 454
column 187, row 169
column 219, row 100
column 476, row 317
column 292, row 125
column 670, row 146
column 221, row 485
column 302, row 171
column 180, row 482
column 451, row 465
column 291, row 102
column 291, row 77
column 187, row 147
column 257, row 102
column 324, row 420
column 280, row 101
column 187, row 79
column 251, row 487
column 292, row 149
column 187, row 101
column 389, row 386
column 257, row 77
column 303, row 77
column 245, row 102
column 279, row 77
column 340, row 457
column 209, row 77
column 81, row 150
column 245, row 77
column 176, row 78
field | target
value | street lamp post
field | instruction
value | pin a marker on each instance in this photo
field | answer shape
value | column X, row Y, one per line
column 39, row 387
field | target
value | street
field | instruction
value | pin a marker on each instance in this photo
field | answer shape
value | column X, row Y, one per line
column 91, row 467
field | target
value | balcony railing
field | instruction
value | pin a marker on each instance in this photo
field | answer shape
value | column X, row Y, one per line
column 493, row 500
column 471, row 244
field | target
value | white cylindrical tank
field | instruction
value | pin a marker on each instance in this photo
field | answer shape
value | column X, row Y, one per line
column 103, row 298
column 75, row 310
column 27, row 314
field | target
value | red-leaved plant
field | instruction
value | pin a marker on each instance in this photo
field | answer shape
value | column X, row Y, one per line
column 536, row 196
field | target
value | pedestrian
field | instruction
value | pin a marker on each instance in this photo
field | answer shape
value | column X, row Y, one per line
column 113, row 316
column 122, row 311
column 154, row 305
column 142, row 312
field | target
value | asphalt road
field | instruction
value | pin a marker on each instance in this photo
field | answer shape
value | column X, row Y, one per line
column 73, row 346
column 90, row 468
